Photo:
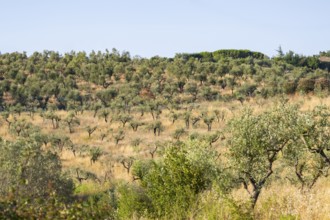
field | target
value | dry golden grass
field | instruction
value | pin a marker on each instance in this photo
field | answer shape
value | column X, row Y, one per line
column 148, row 139
column 286, row 200
column 279, row 200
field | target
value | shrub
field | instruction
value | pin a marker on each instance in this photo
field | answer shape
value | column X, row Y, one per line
column 29, row 172
column 247, row 89
column 133, row 202
column 290, row 87
column 306, row 85
column 173, row 184
column 322, row 84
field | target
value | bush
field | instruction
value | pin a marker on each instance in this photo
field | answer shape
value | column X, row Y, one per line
column 322, row 84
column 133, row 202
column 173, row 184
column 290, row 87
column 247, row 90
column 306, row 85
column 93, row 207
column 29, row 172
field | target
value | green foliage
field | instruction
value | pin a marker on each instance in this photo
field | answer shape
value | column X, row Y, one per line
column 21, row 127
column 136, row 124
column 173, row 184
column 208, row 120
column 247, row 90
column 119, row 136
column 96, row 80
column 290, row 87
column 141, row 168
column 208, row 94
column 124, row 118
column 105, row 114
column 255, row 143
column 220, row 54
column 105, row 96
column 59, row 142
column 157, row 127
column 101, row 206
column 133, row 202
column 178, row 133
column 294, row 59
column 174, row 116
column 309, row 156
column 95, row 154
column 27, row 172
column 55, row 119
column 306, row 85
column 136, row 142
column 214, row 204
column 186, row 117
column 192, row 89
column 186, row 178
column 71, row 120
column 90, row 130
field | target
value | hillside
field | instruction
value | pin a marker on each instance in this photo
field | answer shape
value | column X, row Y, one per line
column 226, row 130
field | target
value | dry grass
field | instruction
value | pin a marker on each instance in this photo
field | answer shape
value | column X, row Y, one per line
column 284, row 200
column 275, row 201
column 125, row 148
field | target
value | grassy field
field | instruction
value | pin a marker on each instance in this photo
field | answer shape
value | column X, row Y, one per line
column 280, row 198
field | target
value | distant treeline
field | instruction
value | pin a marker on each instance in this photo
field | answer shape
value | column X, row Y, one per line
column 290, row 57
column 220, row 54
column 78, row 80
column 313, row 62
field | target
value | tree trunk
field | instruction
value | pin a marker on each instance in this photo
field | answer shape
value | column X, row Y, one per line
column 255, row 196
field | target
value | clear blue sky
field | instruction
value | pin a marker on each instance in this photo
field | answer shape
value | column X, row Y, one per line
column 165, row 27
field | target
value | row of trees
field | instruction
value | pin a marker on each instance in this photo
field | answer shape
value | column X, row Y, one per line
column 80, row 80
column 221, row 54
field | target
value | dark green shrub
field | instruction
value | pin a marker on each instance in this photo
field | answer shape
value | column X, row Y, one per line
column 29, row 172
column 173, row 184
column 306, row 85
column 247, row 90
column 133, row 202
column 290, row 87
column 100, row 206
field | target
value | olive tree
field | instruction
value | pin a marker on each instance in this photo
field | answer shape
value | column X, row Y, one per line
column 90, row 130
column 119, row 136
column 19, row 126
column 316, row 136
column 309, row 156
column 54, row 118
column 95, row 154
column 104, row 114
column 124, row 118
column 178, row 133
column 157, row 127
column 208, row 120
column 255, row 141
column 71, row 120
column 136, row 124
column 186, row 117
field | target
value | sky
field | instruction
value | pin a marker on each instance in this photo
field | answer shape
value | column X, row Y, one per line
column 165, row 27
